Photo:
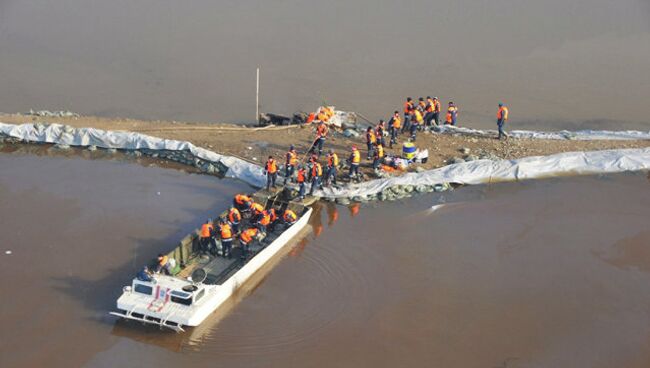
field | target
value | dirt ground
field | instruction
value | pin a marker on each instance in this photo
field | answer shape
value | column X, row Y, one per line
column 256, row 144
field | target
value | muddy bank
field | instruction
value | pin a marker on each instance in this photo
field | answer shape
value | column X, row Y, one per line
column 390, row 187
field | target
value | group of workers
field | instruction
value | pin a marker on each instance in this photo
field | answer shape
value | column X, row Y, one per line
column 259, row 221
column 423, row 115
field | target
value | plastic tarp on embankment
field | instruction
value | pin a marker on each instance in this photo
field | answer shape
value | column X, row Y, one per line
column 63, row 134
column 474, row 172
column 486, row 171
column 581, row 135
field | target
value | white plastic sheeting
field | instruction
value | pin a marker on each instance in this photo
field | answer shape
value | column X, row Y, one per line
column 581, row 135
column 474, row 172
column 63, row 134
column 485, row 171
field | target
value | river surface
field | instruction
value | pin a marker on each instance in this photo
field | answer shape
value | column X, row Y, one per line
column 552, row 273
column 556, row 63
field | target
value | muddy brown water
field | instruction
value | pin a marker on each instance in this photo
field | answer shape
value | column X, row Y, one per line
column 557, row 64
column 551, row 273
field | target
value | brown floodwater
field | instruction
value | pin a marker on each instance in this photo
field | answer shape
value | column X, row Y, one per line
column 556, row 63
column 550, row 273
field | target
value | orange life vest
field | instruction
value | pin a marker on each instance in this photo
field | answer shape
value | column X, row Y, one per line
column 163, row 260
column 502, row 113
column 451, row 111
column 322, row 117
column 257, row 208
column 289, row 216
column 292, row 158
column 226, row 232
column 332, row 160
column 422, row 105
column 397, row 122
column 321, row 131
column 271, row 166
column 242, row 199
column 206, row 230
column 436, row 106
column 234, row 216
column 266, row 218
column 379, row 151
column 248, row 235
column 356, row 157
column 316, row 170
column 418, row 117
column 430, row 105
column 310, row 118
column 370, row 137
column 301, row 176
column 408, row 107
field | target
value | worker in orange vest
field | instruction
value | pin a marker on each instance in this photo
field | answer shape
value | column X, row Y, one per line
column 436, row 111
column 321, row 134
column 378, row 157
column 164, row 264
column 271, row 171
column 428, row 114
column 234, row 218
column 394, row 125
column 502, row 117
column 332, row 166
column 242, row 202
column 418, row 121
column 301, row 177
column 206, row 240
column 421, row 105
column 408, row 110
column 371, row 139
column 355, row 161
column 246, row 238
column 226, row 234
column 452, row 114
column 379, row 132
column 290, row 165
column 316, row 175
column 263, row 221
column 289, row 217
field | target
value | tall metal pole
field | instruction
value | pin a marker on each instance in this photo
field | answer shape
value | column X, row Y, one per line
column 257, row 98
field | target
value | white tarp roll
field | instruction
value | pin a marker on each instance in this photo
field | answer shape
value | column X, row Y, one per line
column 581, row 135
column 474, row 172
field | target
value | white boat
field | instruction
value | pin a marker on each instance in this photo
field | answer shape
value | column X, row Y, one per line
column 178, row 301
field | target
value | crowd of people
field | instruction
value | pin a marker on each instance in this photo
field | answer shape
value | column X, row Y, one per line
column 245, row 222
column 417, row 116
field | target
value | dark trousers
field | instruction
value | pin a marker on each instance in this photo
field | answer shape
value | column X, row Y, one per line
column 301, row 190
column 270, row 179
column 414, row 129
column 318, row 144
column 502, row 133
column 235, row 226
column 245, row 248
column 315, row 183
column 226, row 247
column 288, row 173
column 428, row 117
column 354, row 169
column 376, row 162
column 436, row 117
column 331, row 174
column 370, row 150
column 407, row 123
column 393, row 135
column 206, row 244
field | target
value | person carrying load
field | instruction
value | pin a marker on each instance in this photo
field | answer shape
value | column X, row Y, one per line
column 321, row 134
column 332, row 166
column 206, row 241
column 234, row 218
column 394, row 124
column 355, row 161
column 290, row 165
column 242, row 202
column 225, row 232
column 271, row 171
column 502, row 117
